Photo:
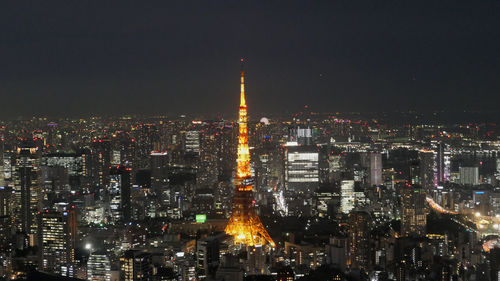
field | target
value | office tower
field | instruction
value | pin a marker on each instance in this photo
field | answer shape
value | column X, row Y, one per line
column 192, row 143
column 27, row 190
column 443, row 162
column 115, row 157
column 72, row 162
column 245, row 225
column 375, row 169
column 347, row 196
column 159, row 169
column 358, row 240
column 469, row 175
column 5, row 200
column 127, row 152
column 414, row 167
column 327, row 201
column 207, row 163
column 72, row 221
column 414, row 212
column 426, row 165
column 136, row 265
column 54, row 240
column 7, row 165
column 225, row 137
column 301, row 169
column 256, row 260
column 119, row 191
column 100, row 160
column 207, row 256
column 334, row 167
column 302, row 136
column 481, row 201
column 98, row 267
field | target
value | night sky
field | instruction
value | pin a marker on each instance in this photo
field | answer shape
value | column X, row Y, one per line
column 72, row 58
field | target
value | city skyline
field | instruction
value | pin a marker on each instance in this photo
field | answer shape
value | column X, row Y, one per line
column 365, row 146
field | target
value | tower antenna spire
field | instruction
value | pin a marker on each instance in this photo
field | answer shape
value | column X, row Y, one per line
column 242, row 83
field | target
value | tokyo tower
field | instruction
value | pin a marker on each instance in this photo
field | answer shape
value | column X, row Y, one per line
column 245, row 225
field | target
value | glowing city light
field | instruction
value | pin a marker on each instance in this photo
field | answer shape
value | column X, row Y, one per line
column 245, row 224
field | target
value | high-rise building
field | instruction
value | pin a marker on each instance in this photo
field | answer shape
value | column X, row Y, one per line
column 482, row 199
column 443, row 163
column 347, row 196
column 256, row 260
column 100, row 161
column 414, row 212
column 375, row 169
column 469, row 175
column 301, row 169
column 245, row 225
column 136, row 265
column 5, row 200
column 192, row 144
column 302, row 136
column 426, row 165
column 98, row 267
column 327, row 201
column 27, row 190
column 358, row 240
column 207, row 256
column 119, row 189
column 54, row 240
column 159, row 169
column 71, row 161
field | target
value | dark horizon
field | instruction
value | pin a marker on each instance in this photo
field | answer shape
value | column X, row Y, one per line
column 82, row 58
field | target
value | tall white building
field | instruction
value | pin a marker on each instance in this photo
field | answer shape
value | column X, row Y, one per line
column 375, row 169
column 469, row 175
column 98, row 267
column 192, row 144
column 301, row 169
column 347, row 196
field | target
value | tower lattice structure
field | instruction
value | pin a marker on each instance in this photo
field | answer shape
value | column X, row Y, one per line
column 245, row 225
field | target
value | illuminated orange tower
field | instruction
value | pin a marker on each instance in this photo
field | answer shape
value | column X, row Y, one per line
column 245, row 224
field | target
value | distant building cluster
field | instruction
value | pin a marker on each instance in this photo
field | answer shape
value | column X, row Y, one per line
column 344, row 197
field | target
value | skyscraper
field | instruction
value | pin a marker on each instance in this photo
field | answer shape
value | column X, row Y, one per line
column 98, row 267
column 347, row 196
column 469, row 175
column 375, row 169
column 192, row 144
column 301, row 169
column 443, row 156
column 413, row 213
column 119, row 188
column 159, row 169
column 426, row 165
column 359, row 235
column 245, row 225
column 27, row 190
column 136, row 265
column 54, row 240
